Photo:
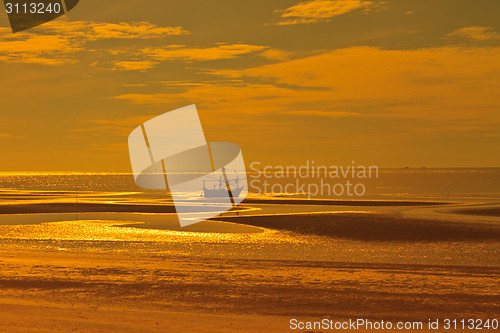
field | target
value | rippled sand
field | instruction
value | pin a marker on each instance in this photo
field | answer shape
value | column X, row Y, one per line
column 63, row 290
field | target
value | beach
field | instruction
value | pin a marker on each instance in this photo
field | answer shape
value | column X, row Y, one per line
column 64, row 291
column 107, row 261
column 249, row 166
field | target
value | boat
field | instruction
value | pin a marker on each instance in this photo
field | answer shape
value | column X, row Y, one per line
column 221, row 188
column 221, row 192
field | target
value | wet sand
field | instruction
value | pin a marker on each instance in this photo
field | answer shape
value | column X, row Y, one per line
column 373, row 227
column 60, row 291
column 484, row 211
column 98, row 289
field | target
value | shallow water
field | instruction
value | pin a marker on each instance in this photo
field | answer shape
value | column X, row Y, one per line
column 160, row 234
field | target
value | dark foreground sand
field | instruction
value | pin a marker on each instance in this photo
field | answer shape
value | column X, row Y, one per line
column 46, row 291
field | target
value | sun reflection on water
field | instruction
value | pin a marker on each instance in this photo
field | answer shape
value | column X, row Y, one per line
column 118, row 231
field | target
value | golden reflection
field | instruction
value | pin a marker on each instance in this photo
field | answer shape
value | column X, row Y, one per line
column 121, row 231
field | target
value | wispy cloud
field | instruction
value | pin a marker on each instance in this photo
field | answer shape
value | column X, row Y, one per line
column 61, row 42
column 88, row 30
column 323, row 10
column 215, row 93
column 58, row 41
column 134, row 65
column 275, row 54
column 46, row 50
column 475, row 33
column 222, row 51
column 432, row 83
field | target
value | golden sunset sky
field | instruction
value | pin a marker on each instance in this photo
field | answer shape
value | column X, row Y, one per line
column 390, row 83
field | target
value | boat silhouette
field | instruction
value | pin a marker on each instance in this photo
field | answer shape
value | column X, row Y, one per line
column 221, row 187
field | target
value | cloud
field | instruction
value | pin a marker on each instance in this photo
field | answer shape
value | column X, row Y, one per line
column 475, row 33
column 58, row 42
column 222, row 51
column 89, row 30
column 275, row 54
column 134, row 65
column 47, row 50
column 213, row 93
column 137, row 30
column 322, row 10
column 448, row 83
column 351, row 102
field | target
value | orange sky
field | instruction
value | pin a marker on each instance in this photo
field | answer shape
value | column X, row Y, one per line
column 387, row 83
